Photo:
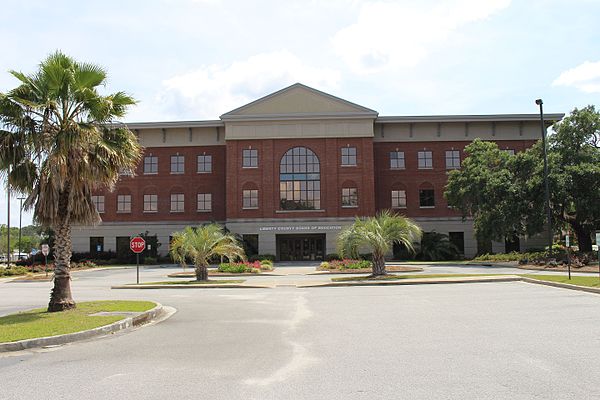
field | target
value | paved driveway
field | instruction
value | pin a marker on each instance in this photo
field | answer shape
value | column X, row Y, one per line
column 462, row 341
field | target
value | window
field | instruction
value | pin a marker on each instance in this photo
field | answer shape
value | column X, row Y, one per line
column 426, row 198
column 250, row 198
column 452, row 159
column 150, row 203
column 249, row 158
column 397, row 160
column 398, row 198
column 510, row 151
column 204, row 163
column 98, row 202
column 425, row 159
column 177, row 164
column 349, row 197
column 348, row 155
column 177, row 202
column 124, row 203
column 299, row 180
column 151, row 164
column 204, row 202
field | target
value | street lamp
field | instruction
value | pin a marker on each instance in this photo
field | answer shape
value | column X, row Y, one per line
column 20, row 219
column 8, row 219
column 540, row 103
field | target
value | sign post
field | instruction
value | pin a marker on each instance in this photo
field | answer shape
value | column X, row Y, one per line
column 45, row 251
column 598, row 245
column 568, row 256
column 137, row 245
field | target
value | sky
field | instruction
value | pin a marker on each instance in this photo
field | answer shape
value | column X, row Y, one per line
column 197, row 59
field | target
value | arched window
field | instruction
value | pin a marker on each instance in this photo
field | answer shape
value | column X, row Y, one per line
column 300, row 180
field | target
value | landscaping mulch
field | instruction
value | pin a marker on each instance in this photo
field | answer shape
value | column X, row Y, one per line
column 216, row 273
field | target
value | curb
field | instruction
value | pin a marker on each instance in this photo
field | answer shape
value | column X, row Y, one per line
column 126, row 323
column 424, row 281
column 562, row 285
column 350, row 272
column 224, row 275
column 203, row 286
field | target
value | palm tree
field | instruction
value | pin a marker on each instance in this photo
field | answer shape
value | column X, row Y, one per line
column 203, row 243
column 58, row 143
column 379, row 234
column 437, row 246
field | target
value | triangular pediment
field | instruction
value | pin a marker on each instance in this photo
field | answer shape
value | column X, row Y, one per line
column 299, row 101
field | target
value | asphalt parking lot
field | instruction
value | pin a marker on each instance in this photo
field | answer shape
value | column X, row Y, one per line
column 461, row 341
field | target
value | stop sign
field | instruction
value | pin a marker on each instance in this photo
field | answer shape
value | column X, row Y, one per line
column 137, row 244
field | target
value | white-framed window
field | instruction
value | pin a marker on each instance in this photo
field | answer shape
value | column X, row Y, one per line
column 151, row 164
column 98, row 202
column 397, row 160
column 250, row 158
column 426, row 198
column 177, row 202
column 398, row 198
column 250, row 198
column 349, row 197
column 510, row 151
column 150, row 203
column 452, row 159
column 177, row 164
column 425, row 159
column 348, row 156
column 124, row 203
column 204, row 202
column 204, row 163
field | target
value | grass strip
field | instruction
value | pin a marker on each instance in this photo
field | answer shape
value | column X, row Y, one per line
column 589, row 281
column 39, row 323
column 399, row 277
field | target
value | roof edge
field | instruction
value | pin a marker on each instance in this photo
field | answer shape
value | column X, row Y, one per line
column 470, row 118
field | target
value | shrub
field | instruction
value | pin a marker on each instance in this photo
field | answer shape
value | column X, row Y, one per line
column 350, row 264
column 332, row 257
column 240, row 268
column 325, row 265
column 260, row 257
column 366, row 256
column 266, row 265
column 13, row 271
column 150, row 260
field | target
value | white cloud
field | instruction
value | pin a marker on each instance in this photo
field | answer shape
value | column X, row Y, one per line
column 212, row 90
column 390, row 34
column 585, row 77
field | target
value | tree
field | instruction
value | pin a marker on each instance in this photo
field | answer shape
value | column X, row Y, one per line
column 504, row 194
column 203, row 243
column 378, row 234
column 60, row 141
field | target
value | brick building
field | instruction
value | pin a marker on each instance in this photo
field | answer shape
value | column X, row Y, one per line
column 288, row 171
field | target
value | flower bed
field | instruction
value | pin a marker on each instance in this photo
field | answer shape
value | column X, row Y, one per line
column 246, row 267
column 345, row 264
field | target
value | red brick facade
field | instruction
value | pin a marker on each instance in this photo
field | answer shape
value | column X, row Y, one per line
column 372, row 176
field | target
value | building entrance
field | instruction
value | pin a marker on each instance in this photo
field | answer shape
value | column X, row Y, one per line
column 300, row 247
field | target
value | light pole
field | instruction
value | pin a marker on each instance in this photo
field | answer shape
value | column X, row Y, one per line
column 540, row 103
column 20, row 219
column 8, row 220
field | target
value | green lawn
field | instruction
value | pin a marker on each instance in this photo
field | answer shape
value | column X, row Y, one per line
column 398, row 277
column 195, row 282
column 591, row 281
column 39, row 323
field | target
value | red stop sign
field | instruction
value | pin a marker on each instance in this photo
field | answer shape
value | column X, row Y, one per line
column 137, row 244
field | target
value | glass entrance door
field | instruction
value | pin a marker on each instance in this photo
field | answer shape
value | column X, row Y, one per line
column 300, row 247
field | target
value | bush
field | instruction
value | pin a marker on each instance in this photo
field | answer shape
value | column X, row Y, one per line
column 325, row 265
column 266, row 265
column 13, row 271
column 150, row 260
column 349, row 264
column 240, row 268
column 366, row 256
column 332, row 257
column 260, row 257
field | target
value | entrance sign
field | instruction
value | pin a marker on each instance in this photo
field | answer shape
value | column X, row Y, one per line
column 137, row 244
column 45, row 250
column 301, row 228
